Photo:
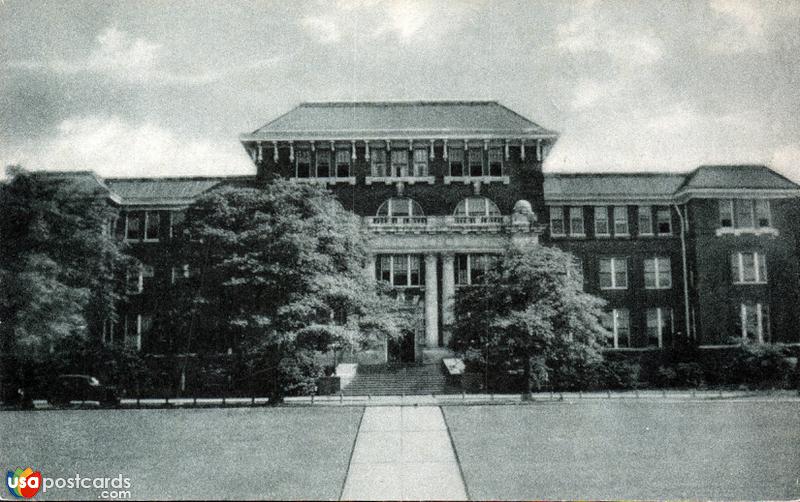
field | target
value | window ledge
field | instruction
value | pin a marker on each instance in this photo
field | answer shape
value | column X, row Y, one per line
column 614, row 289
column 660, row 288
column 330, row 180
column 151, row 240
column 397, row 179
column 558, row 236
column 472, row 179
column 602, row 236
column 747, row 231
column 753, row 283
column 576, row 236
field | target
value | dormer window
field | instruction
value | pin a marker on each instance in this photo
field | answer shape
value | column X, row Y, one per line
column 342, row 163
column 399, row 209
column 323, row 163
column 302, row 160
column 399, row 163
column 378, row 160
column 475, row 162
column 473, row 207
column 495, row 162
column 420, row 162
column 456, row 156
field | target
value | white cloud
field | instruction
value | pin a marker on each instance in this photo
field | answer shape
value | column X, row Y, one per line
column 747, row 25
column 112, row 147
column 118, row 55
column 589, row 32
column 588, row 93
column 324, row 28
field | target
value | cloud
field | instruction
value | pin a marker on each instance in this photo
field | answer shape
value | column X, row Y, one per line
column 325, row 28
column 786, row 159
column 589, row 32
column 588, row 93
column 747, row 25
column 112, row 147
column 119, row 56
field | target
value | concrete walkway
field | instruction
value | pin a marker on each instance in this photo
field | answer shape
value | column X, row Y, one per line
column 403, row 453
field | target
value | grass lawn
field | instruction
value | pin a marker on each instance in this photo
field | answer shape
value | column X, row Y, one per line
column 629, row 450
column 282, row 453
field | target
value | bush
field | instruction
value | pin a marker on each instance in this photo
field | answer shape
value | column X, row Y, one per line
column 681, row 375
column 760, row 366
column 618, row 375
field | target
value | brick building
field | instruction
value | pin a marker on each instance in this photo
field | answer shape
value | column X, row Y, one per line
column 442, row 187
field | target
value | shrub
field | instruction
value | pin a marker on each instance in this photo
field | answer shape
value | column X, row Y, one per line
column 618, row 374
column 760, row 366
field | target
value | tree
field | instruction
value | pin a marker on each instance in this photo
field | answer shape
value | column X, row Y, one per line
column 60, row 266
column 284, row 269
column 532, row 309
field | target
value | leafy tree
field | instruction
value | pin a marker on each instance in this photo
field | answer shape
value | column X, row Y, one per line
column 60, row 266
column 532, row 310
column 285, row 272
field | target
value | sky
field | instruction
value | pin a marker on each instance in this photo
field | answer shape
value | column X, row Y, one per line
column 164, row 88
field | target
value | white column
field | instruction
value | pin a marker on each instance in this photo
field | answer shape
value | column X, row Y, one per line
column 371, row 267
column 448, row 293
column 431, row 303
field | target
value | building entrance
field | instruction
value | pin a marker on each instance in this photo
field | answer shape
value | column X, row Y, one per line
column 402, row 349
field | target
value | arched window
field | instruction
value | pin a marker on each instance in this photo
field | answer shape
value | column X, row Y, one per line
column 399, row 207
column 477, row 206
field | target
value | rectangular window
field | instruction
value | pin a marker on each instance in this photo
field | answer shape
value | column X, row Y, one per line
column 495, row 162
column 182, row 273
column 152, row 223
column 400, row 270
column 385, row 268
column 576, row 221
column 323, row 163
column 618, row 323
column 726, row 214
column 134, row 281
column 476, row 162
column 342, row 163
column 420, row 162
column 302, row 159
column 601, row 221
column 177, row 222
column 399, row 163
column 621, row 220
column 378, row 162
column 763, row 213
column 557, row 220
column 415, row 277
column 645, row 220
column 659, row 325
column 478, row 268
column 462, row 269
column 664, row 221
column 754, row 322
column 133, row 331
column 133, row 226
column 744, row 213
column 749, row 268
column 148, row 274
column 657, row 273
column 613, row 273
column 456, row 158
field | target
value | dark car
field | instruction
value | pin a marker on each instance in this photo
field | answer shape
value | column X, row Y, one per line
column 67, row 388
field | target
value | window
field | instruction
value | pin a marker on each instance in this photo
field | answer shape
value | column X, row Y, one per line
column 378, row 162
column 613, row 273
column 618, row 323
column 664, row 221
column 134, row 281
column 323, row 163
column 657, row 273
column 763, row 213
column 472, row 268
column 420, row 162
column 576, row 221
column 182, row 272
column 754, row 322
column 744, row 213
column 601, row 221
column 133, row 331
column 557, row 220
column 133, row 226
column 398, row 210
column 402, row 270
column 476, row 162
column 645, row 220
column 620, row 220
column 302, row 159
column 342, row 163
column 749, row 268
column 456, row 157
column 495, row 162
column 147, row 274
column 177, row 222
column 152, row 222
column 659, row 324
column 399, row 163
column 726, row 214
column 475, row 210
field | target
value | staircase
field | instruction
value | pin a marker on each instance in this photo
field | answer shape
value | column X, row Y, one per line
column 399, row 380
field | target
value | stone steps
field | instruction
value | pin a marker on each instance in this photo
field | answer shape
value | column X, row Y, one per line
column 427, row 379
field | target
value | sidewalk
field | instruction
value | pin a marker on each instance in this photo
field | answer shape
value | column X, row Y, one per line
column 403, row 453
